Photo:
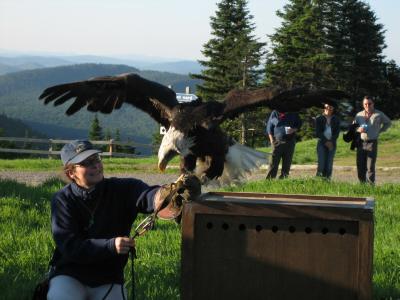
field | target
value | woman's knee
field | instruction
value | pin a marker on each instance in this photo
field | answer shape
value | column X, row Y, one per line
column 112, row 291
column 64, row 287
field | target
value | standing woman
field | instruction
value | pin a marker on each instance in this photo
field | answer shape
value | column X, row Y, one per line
column 327, row 131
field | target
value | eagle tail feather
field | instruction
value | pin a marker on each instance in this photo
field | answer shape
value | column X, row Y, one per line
column 240, row 162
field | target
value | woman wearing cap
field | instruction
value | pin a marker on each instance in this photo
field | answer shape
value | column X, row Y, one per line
column 327, row 130
column 91, row 219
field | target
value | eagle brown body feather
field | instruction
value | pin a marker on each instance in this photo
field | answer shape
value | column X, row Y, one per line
column 197, row 121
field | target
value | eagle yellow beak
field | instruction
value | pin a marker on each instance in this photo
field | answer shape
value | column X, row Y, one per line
column 162, row 165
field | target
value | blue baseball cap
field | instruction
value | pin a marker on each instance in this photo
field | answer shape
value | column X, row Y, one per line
column 77, row 151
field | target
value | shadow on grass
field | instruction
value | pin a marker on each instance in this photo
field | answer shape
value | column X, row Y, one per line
column 32, row 195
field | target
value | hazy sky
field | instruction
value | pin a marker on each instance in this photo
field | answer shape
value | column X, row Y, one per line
column 161, row 28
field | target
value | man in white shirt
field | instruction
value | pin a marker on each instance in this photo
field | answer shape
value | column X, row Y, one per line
column 371, row 123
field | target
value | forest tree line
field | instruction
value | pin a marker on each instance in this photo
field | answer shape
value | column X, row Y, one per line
column 320, row 43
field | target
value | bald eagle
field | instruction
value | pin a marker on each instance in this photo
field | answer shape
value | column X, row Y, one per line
column 193, row 128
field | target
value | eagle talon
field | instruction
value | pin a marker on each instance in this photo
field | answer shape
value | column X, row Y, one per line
column 204, row 179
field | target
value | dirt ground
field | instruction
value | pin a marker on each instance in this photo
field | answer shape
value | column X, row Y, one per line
column 36, row 178
column 349, row 174
column 340, row 174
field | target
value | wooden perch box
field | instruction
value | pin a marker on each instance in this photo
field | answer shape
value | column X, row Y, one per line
column 274, row 246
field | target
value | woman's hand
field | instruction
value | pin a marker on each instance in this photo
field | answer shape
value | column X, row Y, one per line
column 329, row 145
column 124, row 244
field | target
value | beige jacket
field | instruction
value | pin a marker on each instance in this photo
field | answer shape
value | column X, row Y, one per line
column 376, row 124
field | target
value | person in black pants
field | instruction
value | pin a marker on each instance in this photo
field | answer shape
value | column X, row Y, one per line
column 281, row 130
column 370, row 124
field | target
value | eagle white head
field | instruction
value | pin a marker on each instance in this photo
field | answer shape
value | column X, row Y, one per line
column 173, row 143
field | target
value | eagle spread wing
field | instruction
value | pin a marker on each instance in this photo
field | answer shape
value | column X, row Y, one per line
column 237, row 101
column 104, row 94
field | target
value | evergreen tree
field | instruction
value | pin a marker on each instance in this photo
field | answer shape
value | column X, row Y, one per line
column 389, row 94
column 233, row 57
column 299, row 56
column 95, row 132
column 117, row 135
column 118, row 139
column 7, row 144
column 327, row 44
column 3, row 144
column 156, row 141
column 107, row 137
column 356, row 42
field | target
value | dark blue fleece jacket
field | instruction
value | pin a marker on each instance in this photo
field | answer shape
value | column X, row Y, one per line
column 320, row 123
column 276, row 125
column 85, row 224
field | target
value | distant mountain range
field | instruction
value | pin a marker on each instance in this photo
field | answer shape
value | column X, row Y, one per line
column 13, row 63
column 19, row 94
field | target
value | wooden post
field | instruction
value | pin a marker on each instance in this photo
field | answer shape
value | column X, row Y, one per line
column 243, row 125
column 252, row 130
column 111, row 147
column 50, row 147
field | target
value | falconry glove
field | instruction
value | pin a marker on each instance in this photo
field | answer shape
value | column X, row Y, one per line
column 171, row 197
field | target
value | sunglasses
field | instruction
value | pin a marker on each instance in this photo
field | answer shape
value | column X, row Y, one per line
column 91, row 161
column 328, row 107
column 368, row 103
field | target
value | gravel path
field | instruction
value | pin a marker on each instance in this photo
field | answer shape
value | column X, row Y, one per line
column 347, row 174
column 35, row 178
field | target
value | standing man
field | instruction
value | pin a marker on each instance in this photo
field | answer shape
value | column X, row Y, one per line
column 281, row 130
column 371, row 123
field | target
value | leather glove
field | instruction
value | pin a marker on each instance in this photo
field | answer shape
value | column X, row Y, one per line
column 190, row 188
column 171, row 197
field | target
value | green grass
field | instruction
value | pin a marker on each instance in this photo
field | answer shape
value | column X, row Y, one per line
column 26, row 246
column 26, row 243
